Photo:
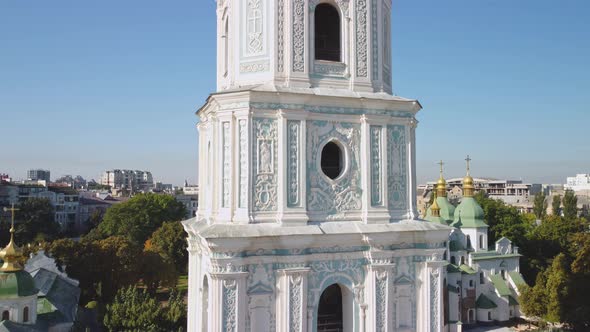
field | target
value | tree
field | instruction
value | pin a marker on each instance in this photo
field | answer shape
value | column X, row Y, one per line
column 557, row 288
column 133, row 310
column 170, row 242
column 540, row 205
column 556, row 205
column 35, row 216
column 570, row 205
column 156, row 272
column 533, row 299
column 118, row 258
column 140, row 216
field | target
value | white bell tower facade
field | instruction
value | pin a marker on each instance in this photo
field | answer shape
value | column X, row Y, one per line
column 307, row 218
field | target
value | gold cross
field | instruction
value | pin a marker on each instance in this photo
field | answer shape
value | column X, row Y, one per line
column 468, row 160
column 13, row 210
column 441, row 167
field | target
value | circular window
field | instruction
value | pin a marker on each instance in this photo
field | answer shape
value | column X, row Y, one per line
column 332, row 161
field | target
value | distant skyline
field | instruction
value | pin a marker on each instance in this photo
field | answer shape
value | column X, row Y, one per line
column 91, row 86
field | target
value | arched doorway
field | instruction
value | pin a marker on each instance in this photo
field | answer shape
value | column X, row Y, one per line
column 330, row 310
column 327, row 33
column 26, row 314
column 205, row 305
column 5, row 315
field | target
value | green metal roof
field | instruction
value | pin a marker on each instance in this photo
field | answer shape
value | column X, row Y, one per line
column 467, row 269
column 16, row 284
column 500, row 285
column 517, row 278
column 451, row 268
column 455, row 245
column 439, row 220
column 512, row 300
column 482, row 255
column 483, row 302
column 469, row 214
column 447, row 210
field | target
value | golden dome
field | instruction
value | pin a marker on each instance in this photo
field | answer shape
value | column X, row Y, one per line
column 11, row 253
column 441, row 184
column 468, row 187
column 434, row 208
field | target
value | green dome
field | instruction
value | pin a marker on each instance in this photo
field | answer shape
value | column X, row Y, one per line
column 16, row 284
column 469, row 214
column 447, row 210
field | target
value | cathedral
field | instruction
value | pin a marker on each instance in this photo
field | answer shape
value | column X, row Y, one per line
column 482, row 284
column 307, row 216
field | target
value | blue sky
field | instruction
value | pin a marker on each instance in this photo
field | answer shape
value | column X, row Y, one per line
column 92, row 85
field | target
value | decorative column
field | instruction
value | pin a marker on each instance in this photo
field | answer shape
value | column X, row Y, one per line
column 228, row 302
column 430, row 310
column 241, row 173
column 411, row 151
column 225, row 139
column 292, row 314
column 292, row 170
column 194, row 286
column 374, row 175
column 380, row 297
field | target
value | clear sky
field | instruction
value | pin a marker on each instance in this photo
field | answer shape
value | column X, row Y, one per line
column 87, row 86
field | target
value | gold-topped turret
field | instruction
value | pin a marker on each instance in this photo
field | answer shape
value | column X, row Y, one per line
column 434, row 208
column 441, row 184
column 11, row 253
column 468, row 187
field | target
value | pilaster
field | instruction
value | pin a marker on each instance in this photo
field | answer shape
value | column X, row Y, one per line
column 373, row 166
column 380, row 297
column 430, row 301
column 242, row 155
column 292, row 315
column 228, row 302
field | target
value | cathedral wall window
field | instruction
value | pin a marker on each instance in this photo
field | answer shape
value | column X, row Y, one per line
column 26, row 314
column 330, row 313
column 327, row 30
column 5, row 315
column 332, row 160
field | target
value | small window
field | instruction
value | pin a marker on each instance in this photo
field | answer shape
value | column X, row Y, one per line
column 481, row 278
column 489, row 315
column 26, row 314
column 332, row 160
column 327, row 33
column 5, row 315
column 481, row 242
column 453, row 260
column 471, row 283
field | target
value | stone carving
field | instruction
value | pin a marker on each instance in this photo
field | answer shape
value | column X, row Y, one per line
column 254, row 67
column 381, row 301
column 229, row 305
column 342, row 4
column 295, row 299
column 243, row 191
column 396, row 172
column 298, row 35
column 293, row 192
column 329, row 69
column 226, row 164
column 254, row 27
column 280, row 35
column 434, row 304
column 324, row 195
column 374, row 38
column 361, row 38
column 328, row 109
column 376, row 158
column 386, row 46
column 265, row 182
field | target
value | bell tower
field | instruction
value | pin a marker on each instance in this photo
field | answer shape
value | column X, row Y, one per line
column 342, row 44
column 307, row 179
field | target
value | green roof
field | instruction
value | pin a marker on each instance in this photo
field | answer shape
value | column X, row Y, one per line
column 16, row 284
column 447, row 210
column 451, row 268
column 483, row 302
column 467, row 269
column 455, row 245
column 469, row 214
column 486, row 254
column 439, row 220
column 500, row 285
column 517, row 279
column 512, row 300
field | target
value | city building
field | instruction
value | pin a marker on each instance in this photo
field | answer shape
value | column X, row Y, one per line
column 5, row 178
column 39, row 174
column 482, row 284
column 130, row 180
column 307, row 218
column 580, row 182
column 191, row 203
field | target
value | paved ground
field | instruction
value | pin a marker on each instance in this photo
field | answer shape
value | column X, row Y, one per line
column 489, row 329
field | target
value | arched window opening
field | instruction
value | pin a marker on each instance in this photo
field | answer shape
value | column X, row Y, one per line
column 471, row 317
column 330, row 316
column 481, row 242
column 489, row 315
column 453, row 261
column 327, row 33
column 5, row 315
column 471, row 283
column 481, row 278
column 225, row 47
column 468, row 242
column 332, row 160
column 205, row 305
column 26, row 314
column 462, row 260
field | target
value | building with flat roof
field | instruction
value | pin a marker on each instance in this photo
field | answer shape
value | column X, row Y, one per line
column 126, row 179
column 580, row 182
column 39, row 174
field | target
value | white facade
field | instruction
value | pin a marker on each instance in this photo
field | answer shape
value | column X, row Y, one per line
column 133, row 180
column 580, row 182
column 307, row 171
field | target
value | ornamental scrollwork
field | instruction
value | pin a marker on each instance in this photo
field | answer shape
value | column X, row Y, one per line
column 381, row 300
column 293, row 190
column 376, row 159
column 254, row 27
column 361, row 38
column 397, row 164
column 243, row 177
column 298, row 35
column 265, row 162
column 435, row 299
column 229, row 305
column 280, row 35
column 295, row 302
column 226, row 164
